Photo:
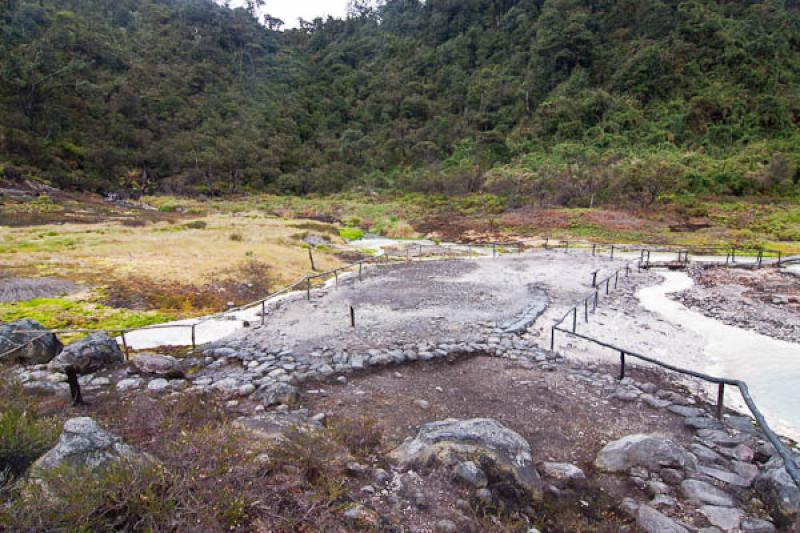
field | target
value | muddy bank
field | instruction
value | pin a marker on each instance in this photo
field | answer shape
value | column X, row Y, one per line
column 766, row 301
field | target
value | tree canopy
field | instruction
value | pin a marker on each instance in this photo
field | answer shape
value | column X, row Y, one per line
column 568, row 101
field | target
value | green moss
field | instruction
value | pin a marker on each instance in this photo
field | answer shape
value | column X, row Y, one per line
column 65, row 313
column 350, row 234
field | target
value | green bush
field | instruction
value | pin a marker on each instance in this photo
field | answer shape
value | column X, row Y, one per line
column 23, row 435
column 196, row 224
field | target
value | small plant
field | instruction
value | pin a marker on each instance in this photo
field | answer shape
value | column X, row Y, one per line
column 236, row 237
column 196, row 224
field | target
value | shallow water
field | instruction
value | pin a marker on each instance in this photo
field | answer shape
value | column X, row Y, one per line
column 770, row 367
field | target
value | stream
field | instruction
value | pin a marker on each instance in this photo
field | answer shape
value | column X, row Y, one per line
column 770, row 367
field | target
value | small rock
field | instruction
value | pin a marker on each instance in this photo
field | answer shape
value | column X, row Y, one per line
column 446, row 526
column 362, row 516
column 158, row 385
column 695, row 489
column 562, row 471
column 725, row 518
column 653, row 521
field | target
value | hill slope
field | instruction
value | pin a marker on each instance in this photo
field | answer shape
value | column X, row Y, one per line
column 560, row 101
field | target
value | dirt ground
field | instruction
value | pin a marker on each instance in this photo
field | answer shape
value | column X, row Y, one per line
column 766, row 301
column 427, row 301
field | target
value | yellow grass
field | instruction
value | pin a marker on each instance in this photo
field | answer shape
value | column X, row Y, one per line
column 162, row 251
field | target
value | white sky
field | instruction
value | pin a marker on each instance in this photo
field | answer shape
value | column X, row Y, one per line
column 290, row 10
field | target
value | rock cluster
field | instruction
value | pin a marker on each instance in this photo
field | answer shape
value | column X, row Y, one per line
column 88, row 355
column 22, row 343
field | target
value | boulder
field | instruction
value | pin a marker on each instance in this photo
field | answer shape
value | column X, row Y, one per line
column 702, row 491
column 650, row 451
column 88, row 355
column 27, row 348
column 653, row 521
column 502, row 453
column 83, row 443
column 163, row 366
column 725, row 518
column 562, row 471
column 277, row 393
column 781, row 495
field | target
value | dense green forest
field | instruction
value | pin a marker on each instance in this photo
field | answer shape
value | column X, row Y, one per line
column 564, row 102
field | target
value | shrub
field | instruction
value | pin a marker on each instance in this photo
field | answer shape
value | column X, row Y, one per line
column 23, row 435
column 361, row 436
column 196, row 224
column 237, row 237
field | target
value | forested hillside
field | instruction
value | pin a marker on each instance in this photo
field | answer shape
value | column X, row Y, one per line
column 553, row 101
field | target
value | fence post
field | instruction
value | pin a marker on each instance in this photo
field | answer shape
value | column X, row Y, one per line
column 494, row 250
column 627, row 270
column 552, row 338
column 74, row 385
column 621, row 366
column 596, row 297
column 308, row 288
column 733, row 255
column 408, row 258
column 574, row 319
column 612, row 252
column 263, row 312
column 594, row 247
column 360, row 265
column 780, row 253
column 194, row 343
column 352, row 317
column 546, row 242
column 336, row 275
column 125, row 346
column 616, row 279
column 608, row 282
column 720, row 400
column 586, row 310
column 311, row 258
column 594, row 278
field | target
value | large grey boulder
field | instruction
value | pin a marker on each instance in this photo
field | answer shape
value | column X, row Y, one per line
column 653, row 521
column 88, row 355
column 277, row 393
column 83, row 443
column 502, row 453
column 649, row 451
column 702, row 491
column 163, row 366
column 27, row 348
column 781, row 495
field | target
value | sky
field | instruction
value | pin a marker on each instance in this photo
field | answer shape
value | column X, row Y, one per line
column 290, row 10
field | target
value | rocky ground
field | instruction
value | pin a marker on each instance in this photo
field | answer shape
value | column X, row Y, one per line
column 465, row 420
column 766, row 300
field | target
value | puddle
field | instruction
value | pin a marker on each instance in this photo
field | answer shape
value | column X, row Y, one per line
column 771, row 367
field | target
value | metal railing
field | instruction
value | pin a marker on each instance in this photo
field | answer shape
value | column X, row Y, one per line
column 721, row 382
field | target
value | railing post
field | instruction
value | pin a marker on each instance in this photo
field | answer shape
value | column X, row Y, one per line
column 627, row 270
column 552, row 338
column 194, row 343
column 263, row 312
column 616, row 279
column 74, row 385
column 408, row 257
column 612, row 252
column 586, row 310
column 608, row 282
column 720, row 400
column 596, row 298
column 780, row 254
column 308, row 289
column 352, row 317
column 360, row 266
column 760, row 256
column 594, row 278
column 494, row 250
column 574, row 319
column 311, row 258
column 621, row 366
column 594, row 247
column 125, row 346
column 733, row 255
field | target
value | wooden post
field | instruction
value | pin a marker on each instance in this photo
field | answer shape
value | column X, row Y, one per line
column 612, row 252
column 352, row 317
column 74, row 385
column 408, row 257
column 780, row 254
column 594, row 278
column 621, row 366
column 263, row 312
column 720, row 400
column 308, row 289
column 360, row 265
column 733, row 255
column 311, row 258
column 627, row 270
column 194, row 343
column 574, row 319
column 494, row 250
column 336, row 275
column 596, row 298
column 616, row 279
column 125, row 346
column 586, row 310
column 608, row 282
column 546, row 242
column 594, row 247
column 552, row 338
